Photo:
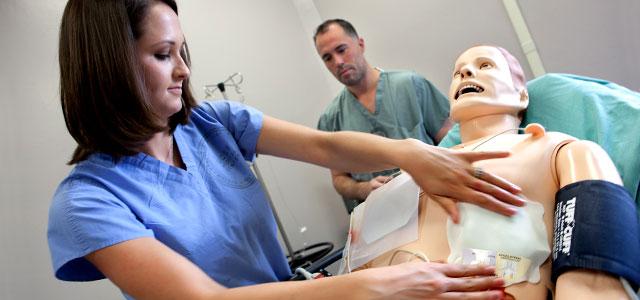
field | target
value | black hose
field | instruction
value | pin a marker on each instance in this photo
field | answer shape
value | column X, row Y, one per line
column 308, row 255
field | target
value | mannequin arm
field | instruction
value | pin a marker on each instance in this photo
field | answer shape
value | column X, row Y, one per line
column 577, row 161
column 585, row 160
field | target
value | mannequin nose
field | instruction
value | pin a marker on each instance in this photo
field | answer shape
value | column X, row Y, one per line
column 466, row 72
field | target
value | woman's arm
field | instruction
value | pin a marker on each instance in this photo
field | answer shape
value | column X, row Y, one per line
column 438, row 171
column 146, row 269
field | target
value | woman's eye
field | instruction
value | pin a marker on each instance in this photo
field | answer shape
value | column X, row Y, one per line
column 485, row 65
column 162, row 56
column 456, row 74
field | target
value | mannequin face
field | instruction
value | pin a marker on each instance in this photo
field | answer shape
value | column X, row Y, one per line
column 482, row 85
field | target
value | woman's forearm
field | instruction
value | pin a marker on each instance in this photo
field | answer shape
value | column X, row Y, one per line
column 352, row 286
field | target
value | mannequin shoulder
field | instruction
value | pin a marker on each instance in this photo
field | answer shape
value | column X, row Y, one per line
column 582, row 147
column 585, row 160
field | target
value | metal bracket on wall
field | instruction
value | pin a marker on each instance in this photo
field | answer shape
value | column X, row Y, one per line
column 526, row 41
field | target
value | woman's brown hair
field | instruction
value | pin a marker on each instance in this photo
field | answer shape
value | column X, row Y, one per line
column 102, row 91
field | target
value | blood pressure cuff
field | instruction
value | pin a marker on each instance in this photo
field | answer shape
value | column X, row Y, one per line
column 596, row 227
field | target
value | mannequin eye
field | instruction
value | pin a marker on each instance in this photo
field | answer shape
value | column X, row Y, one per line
column 485, row 65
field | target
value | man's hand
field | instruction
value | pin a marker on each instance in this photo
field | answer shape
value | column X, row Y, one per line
column 366, row 187
column 349, row 188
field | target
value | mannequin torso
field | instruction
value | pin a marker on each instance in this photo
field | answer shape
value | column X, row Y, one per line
column 531, row 166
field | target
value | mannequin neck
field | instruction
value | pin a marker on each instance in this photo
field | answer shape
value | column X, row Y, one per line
column 487, row 125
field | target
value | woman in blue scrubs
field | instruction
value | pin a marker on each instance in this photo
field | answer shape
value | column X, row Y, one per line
column 161, row 200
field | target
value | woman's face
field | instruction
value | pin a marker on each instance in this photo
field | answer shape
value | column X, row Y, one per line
column 158, row 50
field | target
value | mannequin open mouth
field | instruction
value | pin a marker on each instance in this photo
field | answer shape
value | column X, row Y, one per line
column 468, row 88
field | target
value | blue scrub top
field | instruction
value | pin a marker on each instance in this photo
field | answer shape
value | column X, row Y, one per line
column 214, row 213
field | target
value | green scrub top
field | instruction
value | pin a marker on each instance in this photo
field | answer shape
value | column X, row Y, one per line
column 407, row 106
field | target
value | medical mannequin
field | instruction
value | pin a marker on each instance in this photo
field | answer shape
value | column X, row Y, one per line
column 487, row 97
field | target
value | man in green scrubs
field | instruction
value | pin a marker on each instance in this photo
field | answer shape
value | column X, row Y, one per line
column 393, row 104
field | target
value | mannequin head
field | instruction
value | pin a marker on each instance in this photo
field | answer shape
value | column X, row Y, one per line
column 487, row 80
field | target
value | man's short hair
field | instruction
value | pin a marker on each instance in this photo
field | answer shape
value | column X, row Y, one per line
column 344, row 24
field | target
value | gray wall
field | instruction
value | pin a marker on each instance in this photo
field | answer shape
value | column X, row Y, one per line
column 586, row 37
column 33, row 149
column 269, row 42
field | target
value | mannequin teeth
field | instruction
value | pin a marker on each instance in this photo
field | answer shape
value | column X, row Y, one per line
column 469, row 88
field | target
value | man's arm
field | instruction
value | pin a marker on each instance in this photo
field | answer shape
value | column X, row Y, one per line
column 349, row 188
column 435, row 108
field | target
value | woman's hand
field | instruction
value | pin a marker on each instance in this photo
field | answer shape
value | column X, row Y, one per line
column 421, row 280
column 448, row 176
